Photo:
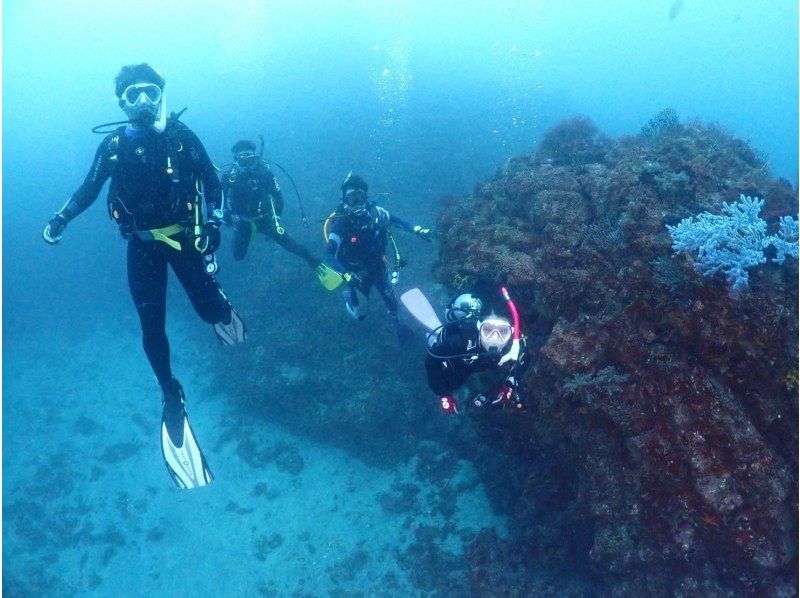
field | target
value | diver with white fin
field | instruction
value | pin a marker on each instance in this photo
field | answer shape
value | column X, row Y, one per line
column 165, row 197
column 468, row 343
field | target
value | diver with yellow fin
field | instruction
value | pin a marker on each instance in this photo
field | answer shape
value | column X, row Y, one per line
column 165, row 197
column 253, row 203
column 357, row 235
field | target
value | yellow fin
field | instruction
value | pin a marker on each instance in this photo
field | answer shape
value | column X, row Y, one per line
column 328, row 277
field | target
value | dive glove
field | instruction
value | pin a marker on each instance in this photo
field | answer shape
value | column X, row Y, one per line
column 423, row 233
column 209, row 239
column 448, row 404
column 54, row 229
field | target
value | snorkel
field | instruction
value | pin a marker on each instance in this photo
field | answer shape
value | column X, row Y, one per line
column 513, row 353
column 161, row 120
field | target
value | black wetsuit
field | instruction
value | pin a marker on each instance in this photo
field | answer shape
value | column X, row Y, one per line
column 359, row 244
column 461, row 340
column 249, row 199
column 143, row 196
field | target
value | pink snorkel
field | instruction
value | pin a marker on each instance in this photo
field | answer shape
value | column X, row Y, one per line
column 513, row 353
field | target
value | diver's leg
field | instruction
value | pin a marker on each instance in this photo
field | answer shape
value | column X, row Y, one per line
column 356, row 298
column 202, row 288
column 292, row 246
column 386, row 289
column 147, row 280
column 206, row 295
column 242, row 230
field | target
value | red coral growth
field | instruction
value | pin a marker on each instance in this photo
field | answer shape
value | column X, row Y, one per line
column 667, row 403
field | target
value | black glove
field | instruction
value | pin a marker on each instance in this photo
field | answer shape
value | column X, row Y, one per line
column 209, row 239
column 423, row 233
column 54, row 229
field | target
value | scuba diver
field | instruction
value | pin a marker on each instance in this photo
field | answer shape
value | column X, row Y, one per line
column 165, row 197
column 357, row 233
column 253, row 203
column 468, row 343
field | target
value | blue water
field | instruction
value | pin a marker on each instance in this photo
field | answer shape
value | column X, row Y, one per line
column 422, row 101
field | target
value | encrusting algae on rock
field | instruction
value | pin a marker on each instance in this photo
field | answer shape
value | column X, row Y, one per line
column 663, row 426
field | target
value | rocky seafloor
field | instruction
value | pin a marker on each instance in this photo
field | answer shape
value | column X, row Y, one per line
column 659, row 453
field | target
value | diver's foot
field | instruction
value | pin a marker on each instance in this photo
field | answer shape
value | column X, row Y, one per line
column 182, row 455
column 348, row 304
column 173, row 413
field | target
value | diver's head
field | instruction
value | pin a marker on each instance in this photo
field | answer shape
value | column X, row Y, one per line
column 354, row 194
column 140, row 92
column 244, row 154
column 463, row 306
column 495, row 333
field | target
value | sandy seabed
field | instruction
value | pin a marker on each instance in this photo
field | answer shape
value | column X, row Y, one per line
column 89, row 508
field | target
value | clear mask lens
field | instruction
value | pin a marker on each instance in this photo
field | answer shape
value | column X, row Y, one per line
column 246, row 159
column 353, row 197
column 495, row 332
column 142, row 93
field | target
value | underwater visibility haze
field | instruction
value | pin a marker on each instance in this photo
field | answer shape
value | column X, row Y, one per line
column 611, row 187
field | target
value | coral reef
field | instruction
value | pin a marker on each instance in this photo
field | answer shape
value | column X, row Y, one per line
column 735, row 242
column 659, row 456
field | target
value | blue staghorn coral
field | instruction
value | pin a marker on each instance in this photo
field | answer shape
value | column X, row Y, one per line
column 732, row 243
column 785, row 242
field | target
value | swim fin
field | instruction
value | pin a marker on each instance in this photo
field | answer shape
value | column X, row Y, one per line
column 232, row 333
column 419, row 307
column 328, row 277
column 182, row 455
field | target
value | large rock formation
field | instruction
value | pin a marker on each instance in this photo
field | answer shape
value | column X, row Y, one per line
column 659, row 455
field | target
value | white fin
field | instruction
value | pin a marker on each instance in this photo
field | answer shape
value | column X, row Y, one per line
column 419, row 307
column 186, row 463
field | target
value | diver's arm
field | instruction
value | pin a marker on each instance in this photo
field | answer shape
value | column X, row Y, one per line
column 420, row 231
column 334, row 243
column 82, row 198
column 335, row 236
column 400, row 223
column 88, row 191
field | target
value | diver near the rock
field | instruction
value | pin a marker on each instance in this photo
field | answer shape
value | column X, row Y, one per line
column 253, row 203
column 468, row 343
column 358, row 234
column 165, row 197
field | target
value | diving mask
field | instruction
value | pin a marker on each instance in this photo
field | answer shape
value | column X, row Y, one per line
column 246, row 159
column 141, row 102
column 495, row 332
column 354, row 197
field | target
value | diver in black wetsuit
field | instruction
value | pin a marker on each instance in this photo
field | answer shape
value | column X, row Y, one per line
column 160, row 173
column 357, row 234
column 468, row 344
column 254, row 203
